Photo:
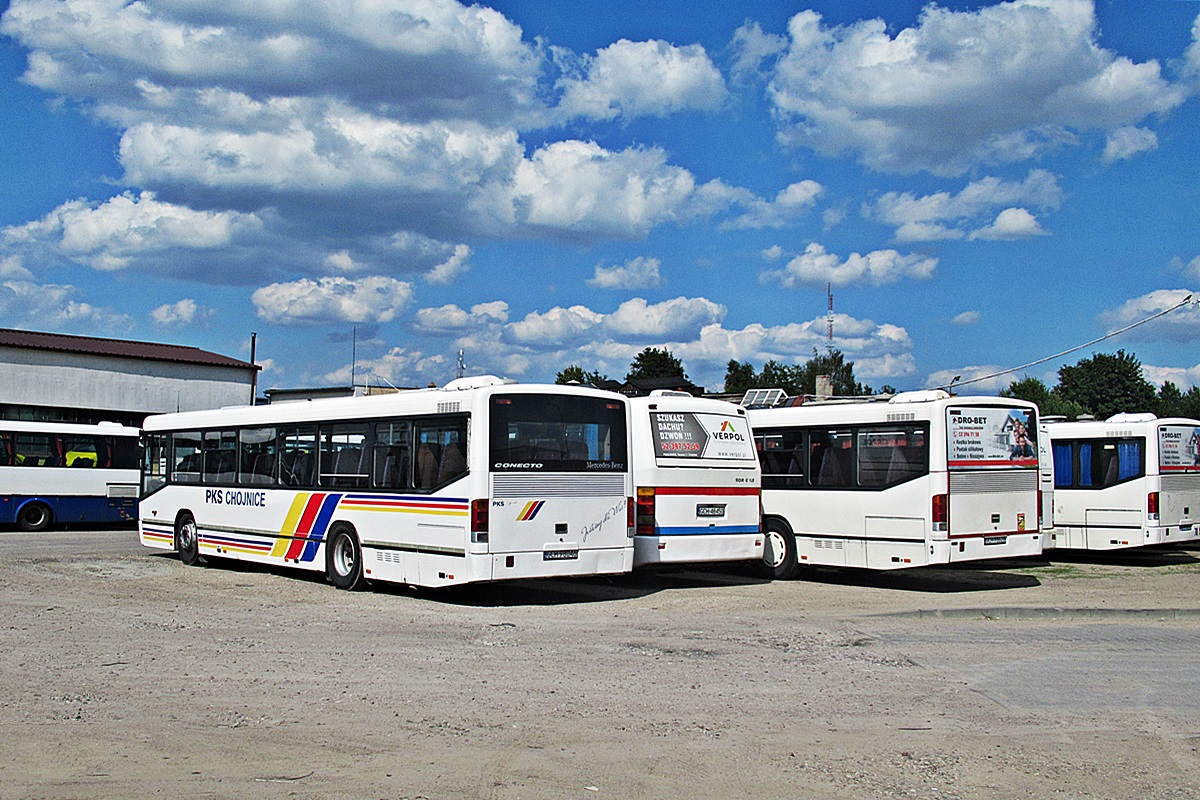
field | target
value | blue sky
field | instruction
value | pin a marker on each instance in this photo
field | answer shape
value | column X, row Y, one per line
column 544, row 184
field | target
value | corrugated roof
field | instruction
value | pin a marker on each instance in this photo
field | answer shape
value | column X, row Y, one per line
column 153, row 351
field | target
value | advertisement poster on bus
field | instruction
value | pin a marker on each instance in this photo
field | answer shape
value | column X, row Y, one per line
column 1179, row 448
column 989, row 437
column 687, row 435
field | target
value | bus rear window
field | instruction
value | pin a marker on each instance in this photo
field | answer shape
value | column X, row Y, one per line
column 553, row 433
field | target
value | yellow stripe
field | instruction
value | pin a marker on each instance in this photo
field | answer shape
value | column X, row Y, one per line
column 289, row 524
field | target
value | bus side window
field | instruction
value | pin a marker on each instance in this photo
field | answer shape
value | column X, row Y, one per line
column 392, row 465
column 832, row 459
column 256, row 456
column 185, row 467
column 781, row 455
column 441, row 451
column 297, row 447
column 344, row 455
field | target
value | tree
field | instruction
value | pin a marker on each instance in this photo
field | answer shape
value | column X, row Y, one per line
column 1189, row 405
column 1048, row 402
column 797, row 379
column 1107, row 384
column 1169, row 402
column 655, row 363
column 739, row 376
column 839, row 370
column 576, row 374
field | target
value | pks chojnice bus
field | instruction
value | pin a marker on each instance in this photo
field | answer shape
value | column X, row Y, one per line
column 923, row 478
column 480, row 480
column 1127, row 481
column 54, row 472
column 697, row 481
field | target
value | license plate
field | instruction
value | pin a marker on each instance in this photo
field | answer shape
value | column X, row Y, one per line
column 560, row 555
column 994, row 540
column 713, row 510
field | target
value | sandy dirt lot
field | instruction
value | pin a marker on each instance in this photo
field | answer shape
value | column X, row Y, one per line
column 128, row 675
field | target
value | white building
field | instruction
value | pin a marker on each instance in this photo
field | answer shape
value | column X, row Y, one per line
column 51, row 376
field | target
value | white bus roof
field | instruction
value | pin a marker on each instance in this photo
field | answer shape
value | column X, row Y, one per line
column 446, row 399
column 922, row 406
column 104, row 428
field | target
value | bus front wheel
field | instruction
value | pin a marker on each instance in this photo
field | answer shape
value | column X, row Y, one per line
column 187, row 540
column 34, row 517
column 343, row 559
column 779, row 551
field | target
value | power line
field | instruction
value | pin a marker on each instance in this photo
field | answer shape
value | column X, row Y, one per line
column 1108, row 335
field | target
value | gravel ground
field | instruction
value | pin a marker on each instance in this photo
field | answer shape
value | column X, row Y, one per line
column 128, row 675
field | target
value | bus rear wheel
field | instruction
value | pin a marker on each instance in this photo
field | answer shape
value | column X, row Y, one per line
column 34, row 517
column 779, row 552
column 343, row 559
column 187, row 540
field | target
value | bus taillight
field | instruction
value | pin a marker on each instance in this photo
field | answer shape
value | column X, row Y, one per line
column 1152, row 506
column 479, row 520
column 941, row 505
column 1041, row 513
column 645, row 511
column 630, row 517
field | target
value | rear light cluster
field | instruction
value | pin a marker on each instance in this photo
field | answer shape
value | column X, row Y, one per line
column 644, row 520
column 479, row 520
column 941, row 506
column 1152, row 506
column 630, row 517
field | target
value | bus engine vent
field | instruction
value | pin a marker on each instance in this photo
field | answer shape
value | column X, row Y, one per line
column 1180, row 483
column 995, row 482
column 543, row 485
column 449, row 408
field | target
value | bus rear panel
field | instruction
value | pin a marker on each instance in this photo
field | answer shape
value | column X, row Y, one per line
column 697, row 481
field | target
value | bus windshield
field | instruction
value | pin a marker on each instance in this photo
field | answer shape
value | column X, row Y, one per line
column 557, row 433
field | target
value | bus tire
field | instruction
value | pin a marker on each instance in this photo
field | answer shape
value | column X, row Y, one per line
column 343, row 558
column 187, row 540
column 34, row 517
column 779, row 551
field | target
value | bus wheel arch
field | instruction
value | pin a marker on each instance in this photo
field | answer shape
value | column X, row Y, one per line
column 779, row 560
column 343, row 557
column 187, row 539
column 34, row 516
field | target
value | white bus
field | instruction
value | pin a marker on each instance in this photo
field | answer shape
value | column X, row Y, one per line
column 480, row 480
column 57, row 472
column 924, row 478
column 697, row 481
column 1127, row 481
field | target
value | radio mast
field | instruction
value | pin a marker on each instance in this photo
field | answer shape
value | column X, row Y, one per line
column 829, row 320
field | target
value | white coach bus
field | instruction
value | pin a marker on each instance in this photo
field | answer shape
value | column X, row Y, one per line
column 480, row 480
column 924, row 478
column 1127, row 481
column 57, row 472
column 697, row 481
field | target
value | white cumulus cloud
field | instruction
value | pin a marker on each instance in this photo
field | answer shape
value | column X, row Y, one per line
column 651, row 78
column 816, row 266
column 332, row 299
column 1002, row 83
column 636, row 273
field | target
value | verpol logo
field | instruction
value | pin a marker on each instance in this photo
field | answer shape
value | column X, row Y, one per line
column 728, row 432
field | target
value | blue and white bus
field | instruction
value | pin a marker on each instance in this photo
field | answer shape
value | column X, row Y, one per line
column 55, row 473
